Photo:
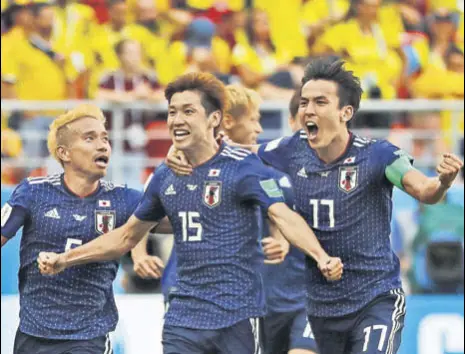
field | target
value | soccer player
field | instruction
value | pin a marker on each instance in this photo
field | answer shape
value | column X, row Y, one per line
column 343, row 187
column 216, row 229
column 285, row 327
column 75, row 311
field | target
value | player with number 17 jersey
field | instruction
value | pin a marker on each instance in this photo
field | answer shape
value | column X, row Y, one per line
column 348, row 204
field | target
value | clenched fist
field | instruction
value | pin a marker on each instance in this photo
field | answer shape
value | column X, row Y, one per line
column 332, row 268
column 50, row 263
column 448, row 169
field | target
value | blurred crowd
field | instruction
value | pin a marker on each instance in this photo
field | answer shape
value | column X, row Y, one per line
column 128, row 50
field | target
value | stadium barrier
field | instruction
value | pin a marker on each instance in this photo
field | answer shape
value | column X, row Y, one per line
column 119, row 134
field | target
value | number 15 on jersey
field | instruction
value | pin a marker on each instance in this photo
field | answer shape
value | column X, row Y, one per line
column 192, row 230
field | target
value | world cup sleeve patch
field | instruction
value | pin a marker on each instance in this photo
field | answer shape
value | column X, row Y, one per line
column 271, row 188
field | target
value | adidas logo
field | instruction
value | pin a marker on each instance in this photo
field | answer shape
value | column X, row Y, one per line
column 302, row 173
column 79, row 217
column 52, row 214
column 170, row 191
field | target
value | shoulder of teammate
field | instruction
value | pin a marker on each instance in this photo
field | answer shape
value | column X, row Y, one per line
column 392, row 161
column 277, row 153
column 257, row 182
column 152, row 185
column 150, row 207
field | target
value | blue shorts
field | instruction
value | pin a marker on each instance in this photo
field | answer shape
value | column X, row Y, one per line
column 241, row 338
column 282, row 332
column 26, row 344
column 376, row 329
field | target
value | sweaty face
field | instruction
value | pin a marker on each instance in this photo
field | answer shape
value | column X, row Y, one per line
column 320, row 114
column 246, row 129
column 188, row 122
column 89, row 149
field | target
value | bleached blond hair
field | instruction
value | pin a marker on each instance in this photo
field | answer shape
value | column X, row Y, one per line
column 59, row 128
column 242, row 100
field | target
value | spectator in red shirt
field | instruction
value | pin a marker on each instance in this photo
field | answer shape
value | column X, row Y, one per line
column 132, row 82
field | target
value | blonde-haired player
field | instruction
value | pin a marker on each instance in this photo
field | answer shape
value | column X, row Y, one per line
column 75, row 311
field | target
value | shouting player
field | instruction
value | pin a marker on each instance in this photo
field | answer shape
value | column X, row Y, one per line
column 212, row 212
column 343, row 187
column 75, row 311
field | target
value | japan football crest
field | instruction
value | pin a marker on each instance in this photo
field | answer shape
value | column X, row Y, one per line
column 348, row 179
column 105, row 221
column 212, row 194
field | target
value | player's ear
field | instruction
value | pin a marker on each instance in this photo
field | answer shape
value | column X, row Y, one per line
column 63, row 153
column 347, row 113
column 228, row 122
column 215, row 119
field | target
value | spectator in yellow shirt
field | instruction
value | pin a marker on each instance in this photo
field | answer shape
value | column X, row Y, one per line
column 258, row 59
column 200, row 51
column 319, row 15
column 34, row 70
column 117, row 29
column 74, row 24
column 372, row 50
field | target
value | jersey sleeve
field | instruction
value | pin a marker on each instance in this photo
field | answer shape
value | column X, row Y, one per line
column 133, row 198
column 15, row 212
column 151, row 207
column 276, row 153
column 392, row 162
column 257, row 183
column 286, row 186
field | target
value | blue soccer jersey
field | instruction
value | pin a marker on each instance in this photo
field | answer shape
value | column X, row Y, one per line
column 348, row 205
column 77, row 304
column 285, row 289
column 217, row 233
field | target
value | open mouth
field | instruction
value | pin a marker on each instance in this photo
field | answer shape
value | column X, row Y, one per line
column 102, row 161
column 312, row 129
column 181, row 134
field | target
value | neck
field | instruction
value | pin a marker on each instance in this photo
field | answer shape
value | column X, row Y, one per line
column 365, row 25
column 116, row 27
column 129, row 73
column 203, row 152
column 80, row 185
column 334, row 150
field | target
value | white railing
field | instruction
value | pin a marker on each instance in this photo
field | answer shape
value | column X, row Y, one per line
column 119, row 134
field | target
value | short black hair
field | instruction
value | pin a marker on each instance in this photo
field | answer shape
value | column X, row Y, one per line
column 295, row 104
column 332, row 69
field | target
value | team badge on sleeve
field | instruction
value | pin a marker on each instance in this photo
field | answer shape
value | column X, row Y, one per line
column 348, row 179
column 212, row 194
column 105, row 221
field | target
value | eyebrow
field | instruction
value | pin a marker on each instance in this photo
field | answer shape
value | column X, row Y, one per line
column 187, row 105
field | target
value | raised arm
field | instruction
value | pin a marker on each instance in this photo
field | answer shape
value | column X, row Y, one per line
column 110, row 246
column 425, row 189
column 298, row 233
